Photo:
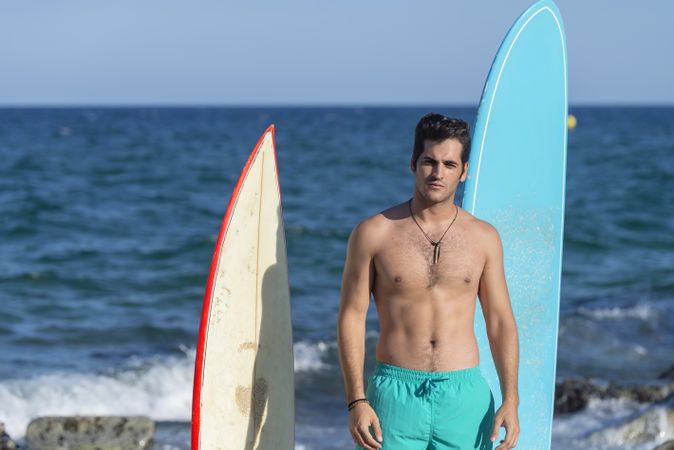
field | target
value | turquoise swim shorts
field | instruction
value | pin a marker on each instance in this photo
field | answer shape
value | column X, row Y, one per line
column 431, row 410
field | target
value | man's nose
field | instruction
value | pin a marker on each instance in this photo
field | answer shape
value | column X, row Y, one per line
column 438, row 171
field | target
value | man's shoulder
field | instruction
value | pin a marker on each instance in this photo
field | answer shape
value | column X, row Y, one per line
column 483, row 230
column 375, row 223
column 376, row 226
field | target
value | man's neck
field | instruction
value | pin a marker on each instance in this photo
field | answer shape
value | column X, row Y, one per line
column 433, row 212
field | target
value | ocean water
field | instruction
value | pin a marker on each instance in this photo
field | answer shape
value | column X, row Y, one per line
column 108, row 219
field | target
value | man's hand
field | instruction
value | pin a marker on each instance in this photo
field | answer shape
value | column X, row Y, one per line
column 361, row 417
column 506, row 416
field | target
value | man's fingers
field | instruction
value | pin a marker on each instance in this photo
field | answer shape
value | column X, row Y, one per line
column 510, row 440
column 356, row 439
column 498, row 420
column 504, row 445
column 359, row 440
column 368, row 441
column 514, row 434
column 376, row 426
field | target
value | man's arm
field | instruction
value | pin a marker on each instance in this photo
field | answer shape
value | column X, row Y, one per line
column 502, row 334
column 357, row 282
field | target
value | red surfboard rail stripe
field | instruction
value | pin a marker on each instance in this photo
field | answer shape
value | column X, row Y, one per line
column 205, row 312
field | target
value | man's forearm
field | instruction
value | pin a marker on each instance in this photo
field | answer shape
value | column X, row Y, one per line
column 504, row 345
column 351, row 347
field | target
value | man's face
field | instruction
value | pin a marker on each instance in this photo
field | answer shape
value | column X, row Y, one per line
column 439, row 170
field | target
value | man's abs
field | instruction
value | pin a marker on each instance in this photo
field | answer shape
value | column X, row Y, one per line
column 427, row 336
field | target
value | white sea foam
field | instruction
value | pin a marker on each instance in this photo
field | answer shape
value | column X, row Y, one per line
column 159, row 387
column 317, row 355
column 310, row 355
column 642, row 311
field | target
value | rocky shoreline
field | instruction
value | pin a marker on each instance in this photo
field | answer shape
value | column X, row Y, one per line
column 571, row 396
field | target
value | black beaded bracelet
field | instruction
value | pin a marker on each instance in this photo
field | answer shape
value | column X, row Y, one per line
column 358, row 400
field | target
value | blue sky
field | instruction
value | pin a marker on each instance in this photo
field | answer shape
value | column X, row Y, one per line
column 72, row 52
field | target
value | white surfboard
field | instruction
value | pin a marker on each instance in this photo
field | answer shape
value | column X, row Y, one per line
column 244, row 379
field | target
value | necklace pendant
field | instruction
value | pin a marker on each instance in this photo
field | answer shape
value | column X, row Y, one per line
column 436, row 252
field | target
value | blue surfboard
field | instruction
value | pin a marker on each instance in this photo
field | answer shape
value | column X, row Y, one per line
column 516, row 181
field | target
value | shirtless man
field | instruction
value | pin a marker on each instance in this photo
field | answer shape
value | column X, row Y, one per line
column 427, row 391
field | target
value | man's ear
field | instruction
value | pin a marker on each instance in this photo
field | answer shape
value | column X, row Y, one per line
column 464, row 174
column 412, row 166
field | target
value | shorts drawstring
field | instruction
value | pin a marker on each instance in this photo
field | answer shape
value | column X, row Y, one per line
column 427, row 385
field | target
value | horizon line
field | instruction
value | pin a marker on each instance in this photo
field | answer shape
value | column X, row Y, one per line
column 298, row 105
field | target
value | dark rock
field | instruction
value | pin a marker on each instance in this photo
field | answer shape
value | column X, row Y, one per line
column 669, row 445
column 639, row 393
column 6, row 442
column 80, row 433
column 667, row 374
column 572, row 395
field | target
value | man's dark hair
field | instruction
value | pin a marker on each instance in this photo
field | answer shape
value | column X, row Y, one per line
column 436, row 127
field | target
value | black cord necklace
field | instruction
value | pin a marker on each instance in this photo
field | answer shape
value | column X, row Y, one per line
column 435, row 244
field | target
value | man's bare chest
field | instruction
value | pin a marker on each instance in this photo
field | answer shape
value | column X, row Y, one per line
column 406, row 261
